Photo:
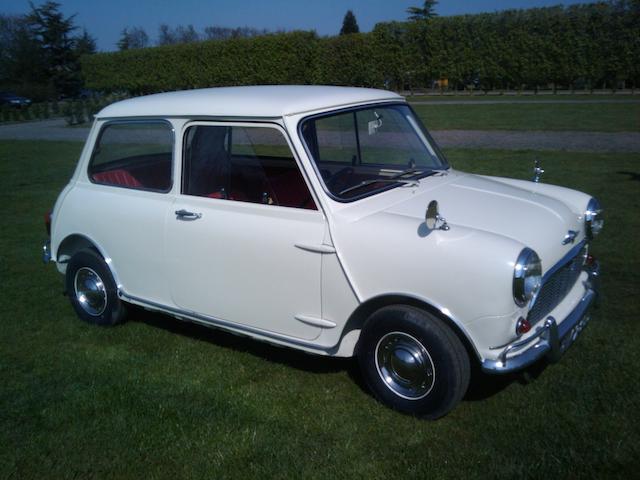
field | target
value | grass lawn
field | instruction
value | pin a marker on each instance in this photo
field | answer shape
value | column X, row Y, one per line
column 524, row 97
column 156, row 398
column 607, row 117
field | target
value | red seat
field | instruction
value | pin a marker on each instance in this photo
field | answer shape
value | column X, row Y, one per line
column 117, row 177
column 290, row 190
column 235, row 195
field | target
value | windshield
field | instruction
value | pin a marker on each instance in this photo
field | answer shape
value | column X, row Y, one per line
column 361, row 152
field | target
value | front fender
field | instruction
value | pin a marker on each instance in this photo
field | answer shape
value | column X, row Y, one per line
column 464, row 271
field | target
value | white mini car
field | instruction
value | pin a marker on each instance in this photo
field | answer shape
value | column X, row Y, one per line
column 312, row 217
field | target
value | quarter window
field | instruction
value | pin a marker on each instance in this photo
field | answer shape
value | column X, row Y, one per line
column 134, row 155
column 247, row 164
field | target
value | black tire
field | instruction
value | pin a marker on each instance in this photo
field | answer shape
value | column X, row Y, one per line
column 426, row 366
column 87, row 272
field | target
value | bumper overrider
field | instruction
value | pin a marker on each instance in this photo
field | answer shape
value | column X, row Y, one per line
column 46, row 251
column 551, row 339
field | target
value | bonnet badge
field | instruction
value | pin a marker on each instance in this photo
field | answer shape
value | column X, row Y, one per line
column 537, row 171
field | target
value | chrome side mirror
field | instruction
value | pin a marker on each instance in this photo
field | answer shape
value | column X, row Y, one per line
column 432, row 218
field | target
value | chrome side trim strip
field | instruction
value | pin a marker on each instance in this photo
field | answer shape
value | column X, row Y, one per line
column 226, row 325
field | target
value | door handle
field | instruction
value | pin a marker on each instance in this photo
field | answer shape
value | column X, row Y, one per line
column 186, row 215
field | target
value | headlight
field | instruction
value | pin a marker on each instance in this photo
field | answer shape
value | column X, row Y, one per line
column 593, row 221
column 527, row 277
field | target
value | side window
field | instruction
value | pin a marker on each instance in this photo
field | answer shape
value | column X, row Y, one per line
column 247, row 164
column 336, row 139
column 133, row 155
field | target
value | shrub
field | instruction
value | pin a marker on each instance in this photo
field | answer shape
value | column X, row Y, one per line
column 78, row 113
column 596, row 42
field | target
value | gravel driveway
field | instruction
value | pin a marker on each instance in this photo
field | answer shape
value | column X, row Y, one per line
column 56, row 129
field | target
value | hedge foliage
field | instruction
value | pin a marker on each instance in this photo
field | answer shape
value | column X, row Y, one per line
column 592, row 45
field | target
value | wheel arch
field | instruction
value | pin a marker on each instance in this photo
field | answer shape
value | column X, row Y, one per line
column 76, row 242
column 361, row 314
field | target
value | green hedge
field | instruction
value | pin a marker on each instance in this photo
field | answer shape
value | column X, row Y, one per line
column 590, row 45
column 273, row 59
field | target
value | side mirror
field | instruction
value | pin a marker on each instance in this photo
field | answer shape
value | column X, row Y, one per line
column 432, row 218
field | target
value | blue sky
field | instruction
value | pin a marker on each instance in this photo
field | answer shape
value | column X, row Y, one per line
column 105, row 19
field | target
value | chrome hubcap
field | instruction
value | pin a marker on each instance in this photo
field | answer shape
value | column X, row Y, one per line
column 405, row 366
column 90, row 291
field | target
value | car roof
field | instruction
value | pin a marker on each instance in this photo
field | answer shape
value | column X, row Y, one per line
column 266, row 101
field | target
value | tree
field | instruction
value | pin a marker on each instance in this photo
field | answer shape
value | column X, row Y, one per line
column 186, row 34
column 166, row 36
column 215, row 32
column 134, row 37
column 425, row 13
column 124, row 42
column 52, row 32
column 180, row 34
column 349, row 24
column 20, row 58
column 85, row 44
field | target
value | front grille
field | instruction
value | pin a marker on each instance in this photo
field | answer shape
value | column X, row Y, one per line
column 556, row 288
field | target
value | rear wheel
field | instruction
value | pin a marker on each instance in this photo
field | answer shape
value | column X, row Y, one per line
column 92, row 290
column 413, row 362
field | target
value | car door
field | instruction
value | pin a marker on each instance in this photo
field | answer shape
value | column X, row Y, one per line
column 237, row 236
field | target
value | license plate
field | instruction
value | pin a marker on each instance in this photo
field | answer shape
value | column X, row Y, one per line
column 575, row 331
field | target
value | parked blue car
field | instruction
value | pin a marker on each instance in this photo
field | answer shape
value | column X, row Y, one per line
column 13, row 100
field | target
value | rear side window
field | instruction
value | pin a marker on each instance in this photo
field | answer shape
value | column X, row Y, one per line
column 134, row 155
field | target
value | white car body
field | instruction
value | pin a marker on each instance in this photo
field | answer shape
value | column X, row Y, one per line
column 308, row 278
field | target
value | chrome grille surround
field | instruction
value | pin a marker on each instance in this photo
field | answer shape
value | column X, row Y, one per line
column 557, row 283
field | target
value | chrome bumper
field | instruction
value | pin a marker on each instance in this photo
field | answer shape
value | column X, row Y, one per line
column 551, row 339
column 46, row 251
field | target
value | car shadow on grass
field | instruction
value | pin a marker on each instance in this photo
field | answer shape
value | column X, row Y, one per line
column 634, row 176
column 286, row 356
column 485, row 385
column 481, row 386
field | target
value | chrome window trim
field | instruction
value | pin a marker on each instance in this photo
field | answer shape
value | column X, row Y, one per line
column 128, row 120
column 267, row 123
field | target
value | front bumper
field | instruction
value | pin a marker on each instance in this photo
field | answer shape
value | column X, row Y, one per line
column 550, row 339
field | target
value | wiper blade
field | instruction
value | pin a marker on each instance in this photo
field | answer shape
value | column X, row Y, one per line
column 364, row 183
column 420, row 172
column 408, row 171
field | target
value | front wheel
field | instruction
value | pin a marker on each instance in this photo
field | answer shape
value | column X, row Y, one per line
column 92, row 290
column 413, row 362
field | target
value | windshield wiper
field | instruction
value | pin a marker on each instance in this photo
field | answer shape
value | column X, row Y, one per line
column 364, row 183
column 408, row 171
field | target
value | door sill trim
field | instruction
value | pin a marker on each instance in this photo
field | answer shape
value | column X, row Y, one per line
column 209, row 321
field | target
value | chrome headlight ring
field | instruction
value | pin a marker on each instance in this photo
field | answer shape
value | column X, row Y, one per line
column 527, row 277
column 593, row 221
